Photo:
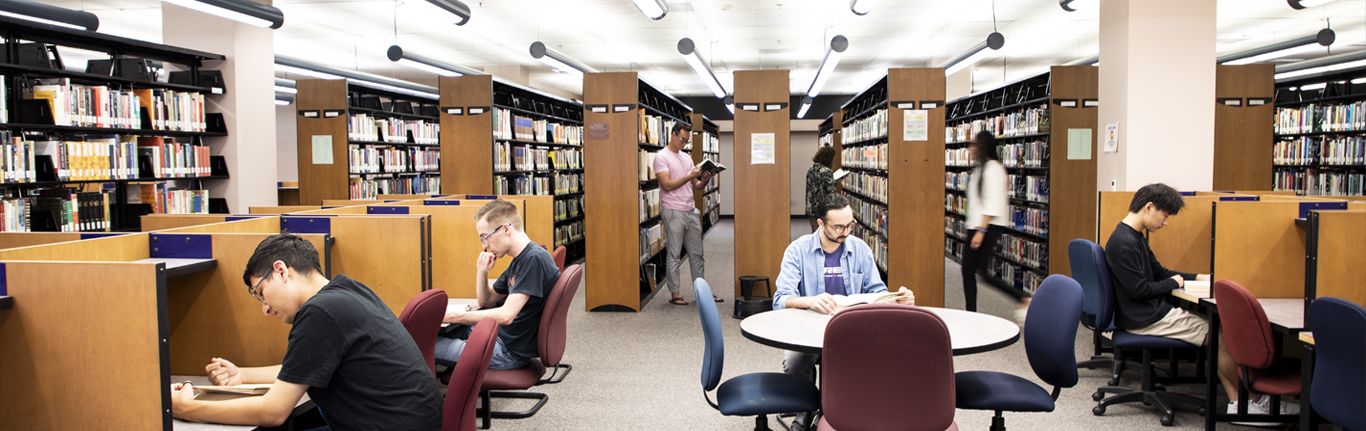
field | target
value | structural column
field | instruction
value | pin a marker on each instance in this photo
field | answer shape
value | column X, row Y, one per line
column 1157, row 80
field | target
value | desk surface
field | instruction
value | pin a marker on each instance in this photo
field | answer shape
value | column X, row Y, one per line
column 804, row 330
column 1307, row 338
column 1285, row 313
column 305, row 404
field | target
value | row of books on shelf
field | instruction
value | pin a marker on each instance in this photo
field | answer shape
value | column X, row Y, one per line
column 956, row 203
column 710, row 201
column 1319, row 117
column 1027, row 121
column 1014, row 275
column 566, row 158
column 870, row 127
column 875, row 242
column 654, row 129
column 1326, row 150
column 365, row 127
column 105, row 158
column 167, row 158
column 869, row 157
column 390, row 159
column 371, row 188
column 60, row 210
column 100, row 106
column 568, row 208
column 511, row 126
column 568, row 233
column 954, row 226
column 646, row 164
column 958, row 157
column 165, row 199
column 521, row 185
column 1028, row 187
column 828, row 140
column 1024, row 219
column 712, row 218
column 872, row 186
column 514, row 157
column 1024, row 154
column 872, row 215
column 651, row 239
column 956, row 180
column 710, row 143
column 649, row 204
column 15, row 212
column 567, row 183
column 1315, row 182
column 1023, row 250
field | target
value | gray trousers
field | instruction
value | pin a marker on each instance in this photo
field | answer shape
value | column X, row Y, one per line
column 682, row 228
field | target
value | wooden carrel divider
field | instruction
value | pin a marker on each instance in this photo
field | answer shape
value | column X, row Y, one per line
column 1258, row 245
column 762, row 213
column 1340, row 265
column 1185, row 243
column 29, row 239
column 389, row 253
column 176, row 222
column 282, row 209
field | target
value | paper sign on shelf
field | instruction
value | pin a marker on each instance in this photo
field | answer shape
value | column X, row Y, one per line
column 1078, row 144
column 761, row 149
column 322, row 149
column 916, row 125
column 1112, row 137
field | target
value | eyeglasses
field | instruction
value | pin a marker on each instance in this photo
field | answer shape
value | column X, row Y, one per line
column 257, row 288
column 841, row 228
column 485, row 238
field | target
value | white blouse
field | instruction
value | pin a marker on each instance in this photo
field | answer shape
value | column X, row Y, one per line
column 993, row 200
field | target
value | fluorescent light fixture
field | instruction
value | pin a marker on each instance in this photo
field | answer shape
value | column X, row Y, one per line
column 974, row 54
column 689, row 51
column 48, row 14
column 862, row 7
column 1300, row 45
column 283, row 99
column 653, row 9
column 730, row 104
column 1304, row 4
column 455, row 7
column 1319, row 86
column 1358, row 81
column 397, row 55
column 832, row 57
column 244, row 11
column 285, row 86
column 806, row 104
column 1088, row 61
column 558, row 61
column 1320, row 65
column 293, row 65
column 1075, row 5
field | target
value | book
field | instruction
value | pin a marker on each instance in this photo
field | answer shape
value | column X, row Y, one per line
column 256, row 389
column 840, row 174
column 843, row 302
column 1199, row 288
column 712, row 167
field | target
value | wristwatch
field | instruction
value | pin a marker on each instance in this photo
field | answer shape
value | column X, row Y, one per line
column 982, row 229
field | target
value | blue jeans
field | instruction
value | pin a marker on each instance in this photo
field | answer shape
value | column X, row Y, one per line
column 450, row 342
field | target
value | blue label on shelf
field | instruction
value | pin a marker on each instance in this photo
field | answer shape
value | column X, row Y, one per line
column 386, row 210
column 311, row 224
column 182, row 246
column 440, row 202
column 482, row 197
column 1239, row 198
column 4, row 281
column 94, row 235
column 241, row 217
column 1306, row 207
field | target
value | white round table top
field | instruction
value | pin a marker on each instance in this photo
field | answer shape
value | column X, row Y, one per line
column 804, row 330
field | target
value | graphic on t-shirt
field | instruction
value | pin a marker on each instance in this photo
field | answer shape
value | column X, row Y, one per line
column 834, row 272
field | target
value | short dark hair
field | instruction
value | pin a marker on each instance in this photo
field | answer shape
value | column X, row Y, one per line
column 825, row 156
column 986, row 142
column 294, row 251
column 829, row 203
column 498, row 212
column 1163, row 197
column 680, row 126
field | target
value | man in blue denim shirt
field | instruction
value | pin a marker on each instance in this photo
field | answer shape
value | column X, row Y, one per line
column 825, row 263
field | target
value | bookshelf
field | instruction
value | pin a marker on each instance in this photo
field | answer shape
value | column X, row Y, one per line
column 762, row 199
column 96, row 151
column 514, row 140
column 706, row 145
column 1320, row 135
column 830, row 133
column 357, row 142
column 1243, row 140
column 896, row 221
column 1052, row 196
column 626, row 120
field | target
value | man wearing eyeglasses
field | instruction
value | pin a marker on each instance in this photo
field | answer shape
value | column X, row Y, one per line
column 346, row 349
column 522, row 289
column 678, row 177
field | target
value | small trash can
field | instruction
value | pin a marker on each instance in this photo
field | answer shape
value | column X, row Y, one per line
column 748, row 304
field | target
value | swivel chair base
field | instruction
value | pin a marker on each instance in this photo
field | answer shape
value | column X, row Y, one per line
column 1149, row 395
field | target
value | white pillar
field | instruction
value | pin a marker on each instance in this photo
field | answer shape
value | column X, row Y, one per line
column 248, row 106
column 1157, row 82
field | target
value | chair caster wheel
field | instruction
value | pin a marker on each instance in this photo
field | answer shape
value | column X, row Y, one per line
column 1114, row 381
column 1097, row 396
column 1098, row 410
column 1202, row 412
column 1168, row 421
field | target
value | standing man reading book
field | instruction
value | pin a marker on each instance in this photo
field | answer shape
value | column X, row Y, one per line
column 522, row 289
column 682, row 221
column 1142, row 286
column 347, row 350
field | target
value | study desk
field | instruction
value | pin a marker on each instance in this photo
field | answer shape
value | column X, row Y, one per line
column 305, row 404
column 804, row 330
column 1286, row 316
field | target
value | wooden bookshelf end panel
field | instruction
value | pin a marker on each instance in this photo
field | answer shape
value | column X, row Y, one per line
column 318, row 182
column 468, row 166
column 762, row 210
column 611, row 191
column 915, row 196
column 1072, row 183
column 1244, row 135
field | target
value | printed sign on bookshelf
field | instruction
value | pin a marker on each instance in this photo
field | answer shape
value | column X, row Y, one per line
column 1230, row 101
column 333, row 113
column 916, row 125
column 598, row 131
column 453, row 110
column 597, row 109
column 311, row 113
column 770, row 107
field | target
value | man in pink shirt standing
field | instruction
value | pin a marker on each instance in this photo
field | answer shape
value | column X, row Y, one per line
column 682, row 220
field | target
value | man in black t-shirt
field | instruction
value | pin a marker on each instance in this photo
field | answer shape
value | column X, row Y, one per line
column 522, row 289
column 347, row 350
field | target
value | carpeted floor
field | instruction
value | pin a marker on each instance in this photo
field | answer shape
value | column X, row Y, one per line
column 636, row 371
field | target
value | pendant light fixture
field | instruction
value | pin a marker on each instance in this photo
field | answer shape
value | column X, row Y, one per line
column 974, row 54
column 558, row 61
column 688, row 49
column 244, row 11
column 48, row 14
column 398, row 55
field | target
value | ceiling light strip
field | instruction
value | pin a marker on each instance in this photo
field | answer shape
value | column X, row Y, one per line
column 398, row 55
column 558, row 61
column 1324, row 37
column 306, row 68
column 244, row 11
column 974, row 54
column 832, row 58
column 688, row 49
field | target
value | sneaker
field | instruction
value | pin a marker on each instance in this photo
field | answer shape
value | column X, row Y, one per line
column 1263, row 407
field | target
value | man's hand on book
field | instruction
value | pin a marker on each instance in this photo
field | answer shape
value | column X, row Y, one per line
column 181, row 395
column 223, row 373
column 1180, row 282
column 823, row 303
column 905, row 296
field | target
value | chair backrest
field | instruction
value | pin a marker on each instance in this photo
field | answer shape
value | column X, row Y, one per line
column 1050, row 330
column 422, row 318
column 558, row 255
column 1246, row 328
column 916, row 394
column 555, row 316
column 1084, row 272
column 1105, row 292
column 467, row 376
column 714, row 353
column 1339, row 387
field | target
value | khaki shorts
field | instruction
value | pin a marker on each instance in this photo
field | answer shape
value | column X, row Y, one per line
column 1178, row 324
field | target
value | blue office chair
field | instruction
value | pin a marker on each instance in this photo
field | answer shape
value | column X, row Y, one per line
column 1050, row 337
column 1149, row 394
column 754, row 394
column 1084, row 272
column 1338, row 392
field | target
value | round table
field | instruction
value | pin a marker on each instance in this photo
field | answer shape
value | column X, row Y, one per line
column 803, row 330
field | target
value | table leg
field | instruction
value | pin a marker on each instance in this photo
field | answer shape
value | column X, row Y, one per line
column 1212, row 372
column 1308, row 420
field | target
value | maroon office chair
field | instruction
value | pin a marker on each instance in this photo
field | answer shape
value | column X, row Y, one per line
column 467, row 375
column 915, row 394
column 1252, row 345
column 558, row 255
column 422, row 318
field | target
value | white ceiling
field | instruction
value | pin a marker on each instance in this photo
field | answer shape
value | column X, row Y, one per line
column 612, row 35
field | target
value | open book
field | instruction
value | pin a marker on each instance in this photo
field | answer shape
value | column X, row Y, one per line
column 1197, row 288
column 843, row 302
column 712, row 167
column 259, row 389
column 840, row 174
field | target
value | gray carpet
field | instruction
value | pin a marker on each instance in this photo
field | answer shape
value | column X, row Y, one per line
column 642, row 370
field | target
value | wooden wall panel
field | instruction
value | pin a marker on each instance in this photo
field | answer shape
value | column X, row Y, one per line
column 1113, row 207
column 1072, row 183
column 213, row 316
column 388, row 253
column 611, row 190
column 29, row 239
column 762, row 210
column 151, row 222
column 318, row 182
column 467, row 140
column 1258, row 245
column 1341, row 263
column 1243, row 135
column 122, row 248
column 915, row 196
